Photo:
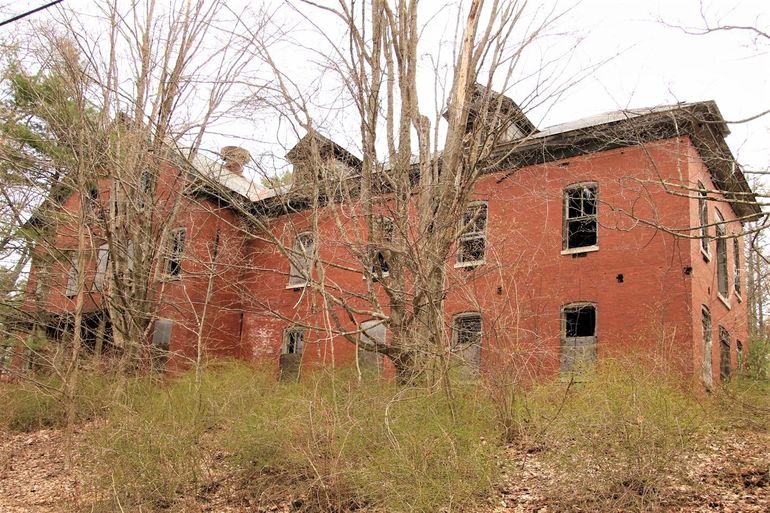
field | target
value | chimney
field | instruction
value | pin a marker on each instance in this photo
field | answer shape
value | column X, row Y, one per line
column 235, row 158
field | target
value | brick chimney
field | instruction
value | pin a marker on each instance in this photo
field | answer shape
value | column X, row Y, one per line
column 235, row 158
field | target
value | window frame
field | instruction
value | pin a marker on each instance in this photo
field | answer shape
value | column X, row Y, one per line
column 703, row 219
column 103, row 258
column 175, row 254
column 71, row 286
column 473, row 366
column 725, row 356
column 592, row 341
column 305, row 253
column 385, row 229
column 287, row 334
column 707, row 347
column 566, row 219
column 737, row 287
column 722, row 264
column 364, row 328
column 464, row 236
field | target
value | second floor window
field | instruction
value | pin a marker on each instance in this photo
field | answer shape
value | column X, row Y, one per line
column 175, row 252
column 703, row 217
column 301, row 260
column 472, row 242
column 383, row 236
column 580, row 224
column 102, row 263
column 737, row 264
column 721, row 234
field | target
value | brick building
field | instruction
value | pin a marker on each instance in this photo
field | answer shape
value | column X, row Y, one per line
column 612, row 234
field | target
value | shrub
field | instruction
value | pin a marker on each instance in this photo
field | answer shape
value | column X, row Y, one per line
column 620, row 436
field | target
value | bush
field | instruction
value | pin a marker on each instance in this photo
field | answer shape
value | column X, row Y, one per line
column 37, row 402
column 619, row 437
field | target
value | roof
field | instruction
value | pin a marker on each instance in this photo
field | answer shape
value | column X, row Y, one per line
column 214, row 173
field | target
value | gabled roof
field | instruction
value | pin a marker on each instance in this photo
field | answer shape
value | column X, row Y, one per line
column 326, row 146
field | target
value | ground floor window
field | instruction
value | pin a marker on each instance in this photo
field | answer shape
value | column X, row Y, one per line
column 724, row 354
column 578, row 337
column 466, row 341
column 291, row 352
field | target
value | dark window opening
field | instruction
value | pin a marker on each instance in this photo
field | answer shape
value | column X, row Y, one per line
column 176, row 249
column 294, row 341
column 471, row 245
column 578, row 343
column 383, row 236
column 724, row 354
column 580, row 220
column 722, row 279
column 704, row 217
column 737, row 264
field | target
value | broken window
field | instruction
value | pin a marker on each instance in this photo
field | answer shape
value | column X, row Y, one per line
column 708, row 378
column 383, row 236
column 175, row 251
column 471, row 245
column 72, row 274
column 724, row 354
column 580, row 226
column 739, row 354
column 102, row 262
column 371, row 332
column 291, row 352
column 161, row 341
column 145, row 183
column 301, row 260
column 737, row 266
column 578, row 341
column 704, row 218
column 466, row 340
column 722, row 279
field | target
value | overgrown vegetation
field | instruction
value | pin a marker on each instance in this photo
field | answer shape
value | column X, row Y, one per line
column 618, row 440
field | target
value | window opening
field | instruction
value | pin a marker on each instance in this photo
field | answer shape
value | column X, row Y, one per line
column 704, row 218
column 471, row 245
column 301, row 260
column 722, row 279
column 384, row 229
column 102, row 263
column 580, row 225
column 72, row 274
column 161, row 341
column 374, row 332
column 737, row 266
column 467, row 340
column 708, row 379
column 578, row 344
column 724, row 354
column 176, row 249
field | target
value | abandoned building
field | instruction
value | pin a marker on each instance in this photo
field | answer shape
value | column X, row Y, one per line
column 613, row 234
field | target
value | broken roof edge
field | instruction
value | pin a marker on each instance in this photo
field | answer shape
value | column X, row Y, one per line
column 304, row 145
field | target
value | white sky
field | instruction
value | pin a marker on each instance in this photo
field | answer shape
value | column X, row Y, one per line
column 651, row 65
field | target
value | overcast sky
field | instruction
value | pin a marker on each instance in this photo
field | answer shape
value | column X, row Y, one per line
column 650, row 63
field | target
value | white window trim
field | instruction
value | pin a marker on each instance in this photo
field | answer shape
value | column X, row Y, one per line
column 566, row 218
column 295, row 254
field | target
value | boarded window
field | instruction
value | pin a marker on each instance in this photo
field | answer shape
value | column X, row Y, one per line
column 291, row 353
column 371, row 333
column 102, row 263
column 161, row 341
column 471, row 245
column 708, row 378
column 466, row 341
column 724, row 354
column 72, row 274
column 722, row 279
column 737, row 264
column 175, row 252
column 578, row 341
column 703, row 217
column 301, row 260
column 580, row 225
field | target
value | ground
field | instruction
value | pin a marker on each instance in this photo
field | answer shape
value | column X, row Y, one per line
column 732, row 474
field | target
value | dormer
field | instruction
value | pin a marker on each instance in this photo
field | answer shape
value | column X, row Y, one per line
column 319, row 156
column 510, row 118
